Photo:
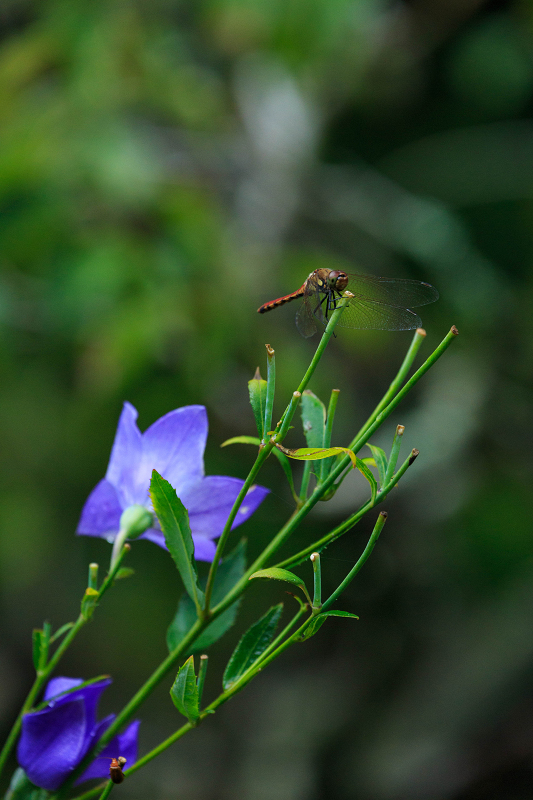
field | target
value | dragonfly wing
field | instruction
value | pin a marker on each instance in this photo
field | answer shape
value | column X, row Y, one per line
column 305, row 321
column 392, row 291
column 371, row 315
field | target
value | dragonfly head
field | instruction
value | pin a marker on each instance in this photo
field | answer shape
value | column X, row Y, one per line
column 337, row 280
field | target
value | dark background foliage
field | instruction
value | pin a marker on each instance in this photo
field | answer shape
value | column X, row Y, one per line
column 165, row 168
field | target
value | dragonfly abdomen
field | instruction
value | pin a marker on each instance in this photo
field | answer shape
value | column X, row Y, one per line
column 281, row 300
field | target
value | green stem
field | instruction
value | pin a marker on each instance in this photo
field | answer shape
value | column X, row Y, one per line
column 410, row 356
column 326, row 336
column 306, row 475
column 44, row 674
column 324, row 464
column 349, row 523
column 317, row 581
column 118, row 544
column 395, row 452
column 378, row 527
column 271, row 387
column 202, row 672
column 287, row 417
column 107, row 791
column 335, row 473
column 262, row 455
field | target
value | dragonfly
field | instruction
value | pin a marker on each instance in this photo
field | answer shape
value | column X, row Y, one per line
column 382, row 304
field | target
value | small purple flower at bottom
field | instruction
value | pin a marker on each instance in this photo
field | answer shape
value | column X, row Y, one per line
column 55, row 739
column 174, row 445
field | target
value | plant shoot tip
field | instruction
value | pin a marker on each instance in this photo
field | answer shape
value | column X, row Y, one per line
column 314, row 556
column 414, row 454
column 421, row 331
column 383, row 514
column 400, row 429
column 348, row 294
column 454, row 330
column 204, row 657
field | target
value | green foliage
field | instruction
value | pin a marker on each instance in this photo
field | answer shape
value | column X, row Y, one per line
column 174, row 521
column 381, row 462
column 21, row 788
column 184, row 692
column 278, row 574
column 252, row 646
column 316, row 622
column 257, row 388
column 229, row 573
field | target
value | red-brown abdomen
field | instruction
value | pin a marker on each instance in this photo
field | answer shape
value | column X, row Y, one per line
column 281, row 300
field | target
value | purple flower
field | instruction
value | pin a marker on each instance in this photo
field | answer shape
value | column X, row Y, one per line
column 174, row 446
column 55, row 739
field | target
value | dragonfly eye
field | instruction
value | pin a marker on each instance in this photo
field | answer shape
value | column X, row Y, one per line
column 338, row 280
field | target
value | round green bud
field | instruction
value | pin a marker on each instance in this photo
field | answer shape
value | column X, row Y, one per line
column 135, row 520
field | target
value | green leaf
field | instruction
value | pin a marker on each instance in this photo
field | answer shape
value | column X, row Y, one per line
column 363, row 469
column 251, row 646
column 278, row 574
column 62, row 630
column 38, row 648
column 242, row 440
column 381, row 462
column 313, row 413
column 89, row 602
column 184, row 692
column 316, row 622
column 124, row 572
column 317, row 453
column 21, row 788
column 229, row 573
column 174, row 521
column 257, row 388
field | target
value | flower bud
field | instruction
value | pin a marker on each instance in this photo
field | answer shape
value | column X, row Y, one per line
column 135, row 520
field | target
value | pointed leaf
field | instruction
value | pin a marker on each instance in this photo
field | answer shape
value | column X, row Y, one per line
column 124, row 572
column 316, row 622
column 363, row 469
column 242, row 440
column 62, row 630
column 37, row 647
column 313, row 413
column 257, row 389
column 184, row 692
column 278, row 574
column 381, row 462
column 316, row 453
column 229, row 573
column 174, row 521
column 251, row 646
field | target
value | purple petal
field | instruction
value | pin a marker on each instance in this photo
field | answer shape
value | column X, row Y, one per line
column 210, row 501
column 101, row 512
column 52, row 743
column 90, row 695
column 125, row 745
column 253, row 499
column 204, row 549
column 126, row 457
column 58, row 686
column 174, row 446
column 155, row 535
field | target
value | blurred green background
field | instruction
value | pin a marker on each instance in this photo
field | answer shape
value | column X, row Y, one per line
column 165, row 168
